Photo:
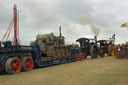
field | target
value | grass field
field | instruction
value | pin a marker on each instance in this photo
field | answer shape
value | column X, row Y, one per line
column 101, row 71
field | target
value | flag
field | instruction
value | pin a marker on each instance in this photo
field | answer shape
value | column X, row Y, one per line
column 124, row 25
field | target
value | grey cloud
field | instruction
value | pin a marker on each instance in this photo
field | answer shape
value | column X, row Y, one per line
column 45, row 16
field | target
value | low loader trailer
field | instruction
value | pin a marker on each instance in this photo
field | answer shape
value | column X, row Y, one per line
column 14, row 59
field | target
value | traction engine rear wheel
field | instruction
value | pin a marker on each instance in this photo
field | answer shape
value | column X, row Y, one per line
column 13, row 65
column 27, row 64
column 94, row 51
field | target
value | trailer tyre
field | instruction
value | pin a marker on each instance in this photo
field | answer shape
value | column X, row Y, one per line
column 94, row 51
column 27, row 64
column 13, row 65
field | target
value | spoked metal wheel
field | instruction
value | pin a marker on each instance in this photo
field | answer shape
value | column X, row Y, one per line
column 27, row 64
column 94, row 51
column 13, row 65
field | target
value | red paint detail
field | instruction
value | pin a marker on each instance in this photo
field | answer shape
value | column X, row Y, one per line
column 15, row 65
column 77, row 58
column 15, row 24
column 29, row 64
column 82, row 57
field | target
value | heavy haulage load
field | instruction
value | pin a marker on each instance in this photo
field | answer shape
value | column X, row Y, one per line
column 52, row 47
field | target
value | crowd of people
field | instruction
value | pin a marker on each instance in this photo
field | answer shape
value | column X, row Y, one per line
column 121, row 50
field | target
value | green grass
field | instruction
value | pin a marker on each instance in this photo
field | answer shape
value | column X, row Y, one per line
column 101, row 71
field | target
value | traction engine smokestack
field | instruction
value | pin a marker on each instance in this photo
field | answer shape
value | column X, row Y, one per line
column 60, row 31
column 95, row 37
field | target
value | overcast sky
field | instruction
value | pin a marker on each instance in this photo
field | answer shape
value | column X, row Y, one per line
column 78, row 18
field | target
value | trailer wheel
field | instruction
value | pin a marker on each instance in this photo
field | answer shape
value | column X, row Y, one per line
column 94, row 51
column 110, row 50
column 27, row 64
column 13, row 65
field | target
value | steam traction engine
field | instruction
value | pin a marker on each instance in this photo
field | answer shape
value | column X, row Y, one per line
column 88, row 47
column 106, row 46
